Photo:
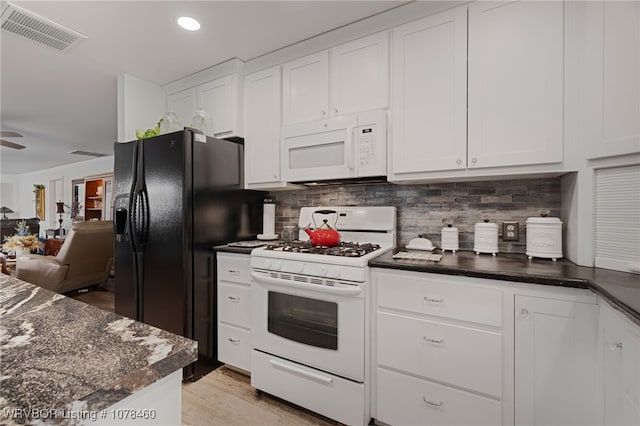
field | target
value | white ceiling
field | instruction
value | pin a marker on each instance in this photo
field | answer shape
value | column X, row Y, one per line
column 63, row 101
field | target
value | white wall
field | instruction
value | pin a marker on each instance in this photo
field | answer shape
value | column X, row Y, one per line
column 9, row 193
column 23, row 187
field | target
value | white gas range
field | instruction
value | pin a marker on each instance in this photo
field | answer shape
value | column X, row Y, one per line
column 309, row 328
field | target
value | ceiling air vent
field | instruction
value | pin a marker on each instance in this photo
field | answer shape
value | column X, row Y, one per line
column 34, row 27
column 87, row 153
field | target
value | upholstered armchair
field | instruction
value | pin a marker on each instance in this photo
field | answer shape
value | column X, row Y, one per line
column 84, row 259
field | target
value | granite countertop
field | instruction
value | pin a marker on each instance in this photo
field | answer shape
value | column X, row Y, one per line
column 621, row 289
column 69, row 357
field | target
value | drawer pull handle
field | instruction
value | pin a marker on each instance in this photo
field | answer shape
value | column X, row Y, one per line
column 233, row 298
column 432, row 300
column 234, row 340
column 524, row 312
column 430, row 340
column 233, row 271
column 431, row 403
column 616, row 346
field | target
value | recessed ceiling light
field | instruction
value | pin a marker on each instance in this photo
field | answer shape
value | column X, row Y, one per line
column 188, row 23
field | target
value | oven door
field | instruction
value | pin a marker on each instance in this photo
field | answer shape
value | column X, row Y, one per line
column 317, row 325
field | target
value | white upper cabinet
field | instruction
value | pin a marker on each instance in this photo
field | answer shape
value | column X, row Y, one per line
column 262, row 91
column 221, row 97
column 305, row 91
column 430, row 94
column 184, row 104
column 346, row 79
column 515, row 114
column 614, row 66
column 360, row 75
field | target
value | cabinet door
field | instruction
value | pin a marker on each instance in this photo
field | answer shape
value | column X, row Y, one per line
column 107, row 202
column 184, row 105
column 305, row 91
column 615, row 49
column 515, row 83
column 621, row 358
column 262, row 91
column 429, row 94
column 220, row 98
column 360, row 75
column 555, row 362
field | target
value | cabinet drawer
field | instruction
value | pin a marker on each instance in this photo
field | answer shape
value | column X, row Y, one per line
column 234, row 304
column 404, row 400
column 234, row 267
column 461, row 356
column 443, row 297
column 234, row 346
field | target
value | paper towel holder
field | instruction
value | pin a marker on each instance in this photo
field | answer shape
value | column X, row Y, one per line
column 268, row 221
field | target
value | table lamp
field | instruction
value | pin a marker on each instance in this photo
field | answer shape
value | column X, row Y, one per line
column 60, row 211
column 4, row 211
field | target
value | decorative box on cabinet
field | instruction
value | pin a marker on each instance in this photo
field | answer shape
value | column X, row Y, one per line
column 555, row 360
column 357, row 80
column 620, row 354
column 234, row 309
column 438, row 350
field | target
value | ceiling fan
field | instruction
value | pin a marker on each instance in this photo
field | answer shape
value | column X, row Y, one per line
column 8, row 134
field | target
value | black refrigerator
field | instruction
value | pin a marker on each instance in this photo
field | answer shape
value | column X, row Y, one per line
column 176, row 196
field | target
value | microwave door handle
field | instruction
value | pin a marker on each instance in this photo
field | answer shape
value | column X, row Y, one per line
column 349, row 149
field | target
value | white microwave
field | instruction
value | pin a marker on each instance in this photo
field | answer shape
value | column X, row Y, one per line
column 347, row 147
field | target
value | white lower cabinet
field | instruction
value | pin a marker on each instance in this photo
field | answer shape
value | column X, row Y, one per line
column 620, row 355
column 555, row 361
column 451, row 350
column 406, row 400
column 234, row 309
column 438, row 350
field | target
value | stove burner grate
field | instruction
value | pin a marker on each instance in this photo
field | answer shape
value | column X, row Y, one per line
column 346, row 249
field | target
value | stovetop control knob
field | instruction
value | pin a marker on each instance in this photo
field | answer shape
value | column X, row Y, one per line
column 333, row 273
column 276, row 265
column 298, row 267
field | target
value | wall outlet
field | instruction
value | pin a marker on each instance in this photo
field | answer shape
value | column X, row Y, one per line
column 510, row 231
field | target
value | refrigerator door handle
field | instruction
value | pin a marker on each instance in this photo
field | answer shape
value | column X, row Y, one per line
column 140, row 215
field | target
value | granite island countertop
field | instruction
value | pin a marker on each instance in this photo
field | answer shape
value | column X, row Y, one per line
column 63, row 355
column 620, row 289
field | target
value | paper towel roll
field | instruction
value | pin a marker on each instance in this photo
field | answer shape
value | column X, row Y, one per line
column 268, row 222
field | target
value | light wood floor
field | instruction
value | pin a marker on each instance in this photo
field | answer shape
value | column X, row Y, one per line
column 224, row 396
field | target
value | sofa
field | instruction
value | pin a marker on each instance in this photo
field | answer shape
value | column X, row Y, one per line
column 8, row 227
column 85, row 258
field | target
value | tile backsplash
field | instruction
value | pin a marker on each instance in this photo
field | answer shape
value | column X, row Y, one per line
column 425, row 209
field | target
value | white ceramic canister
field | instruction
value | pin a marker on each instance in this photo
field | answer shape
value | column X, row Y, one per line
column 544, row 237
column 485, row 238
column 449, row 238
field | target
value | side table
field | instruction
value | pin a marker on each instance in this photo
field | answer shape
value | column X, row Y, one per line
column 52, row 246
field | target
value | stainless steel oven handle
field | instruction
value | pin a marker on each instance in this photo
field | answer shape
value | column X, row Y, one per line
column 342, row 291
column 297, row 370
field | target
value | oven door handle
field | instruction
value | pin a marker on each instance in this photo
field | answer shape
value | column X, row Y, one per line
column 342, row 291
column 297, row 370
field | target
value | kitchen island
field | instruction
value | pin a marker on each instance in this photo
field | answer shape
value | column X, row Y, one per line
column 620, row 289
column 66, row 362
